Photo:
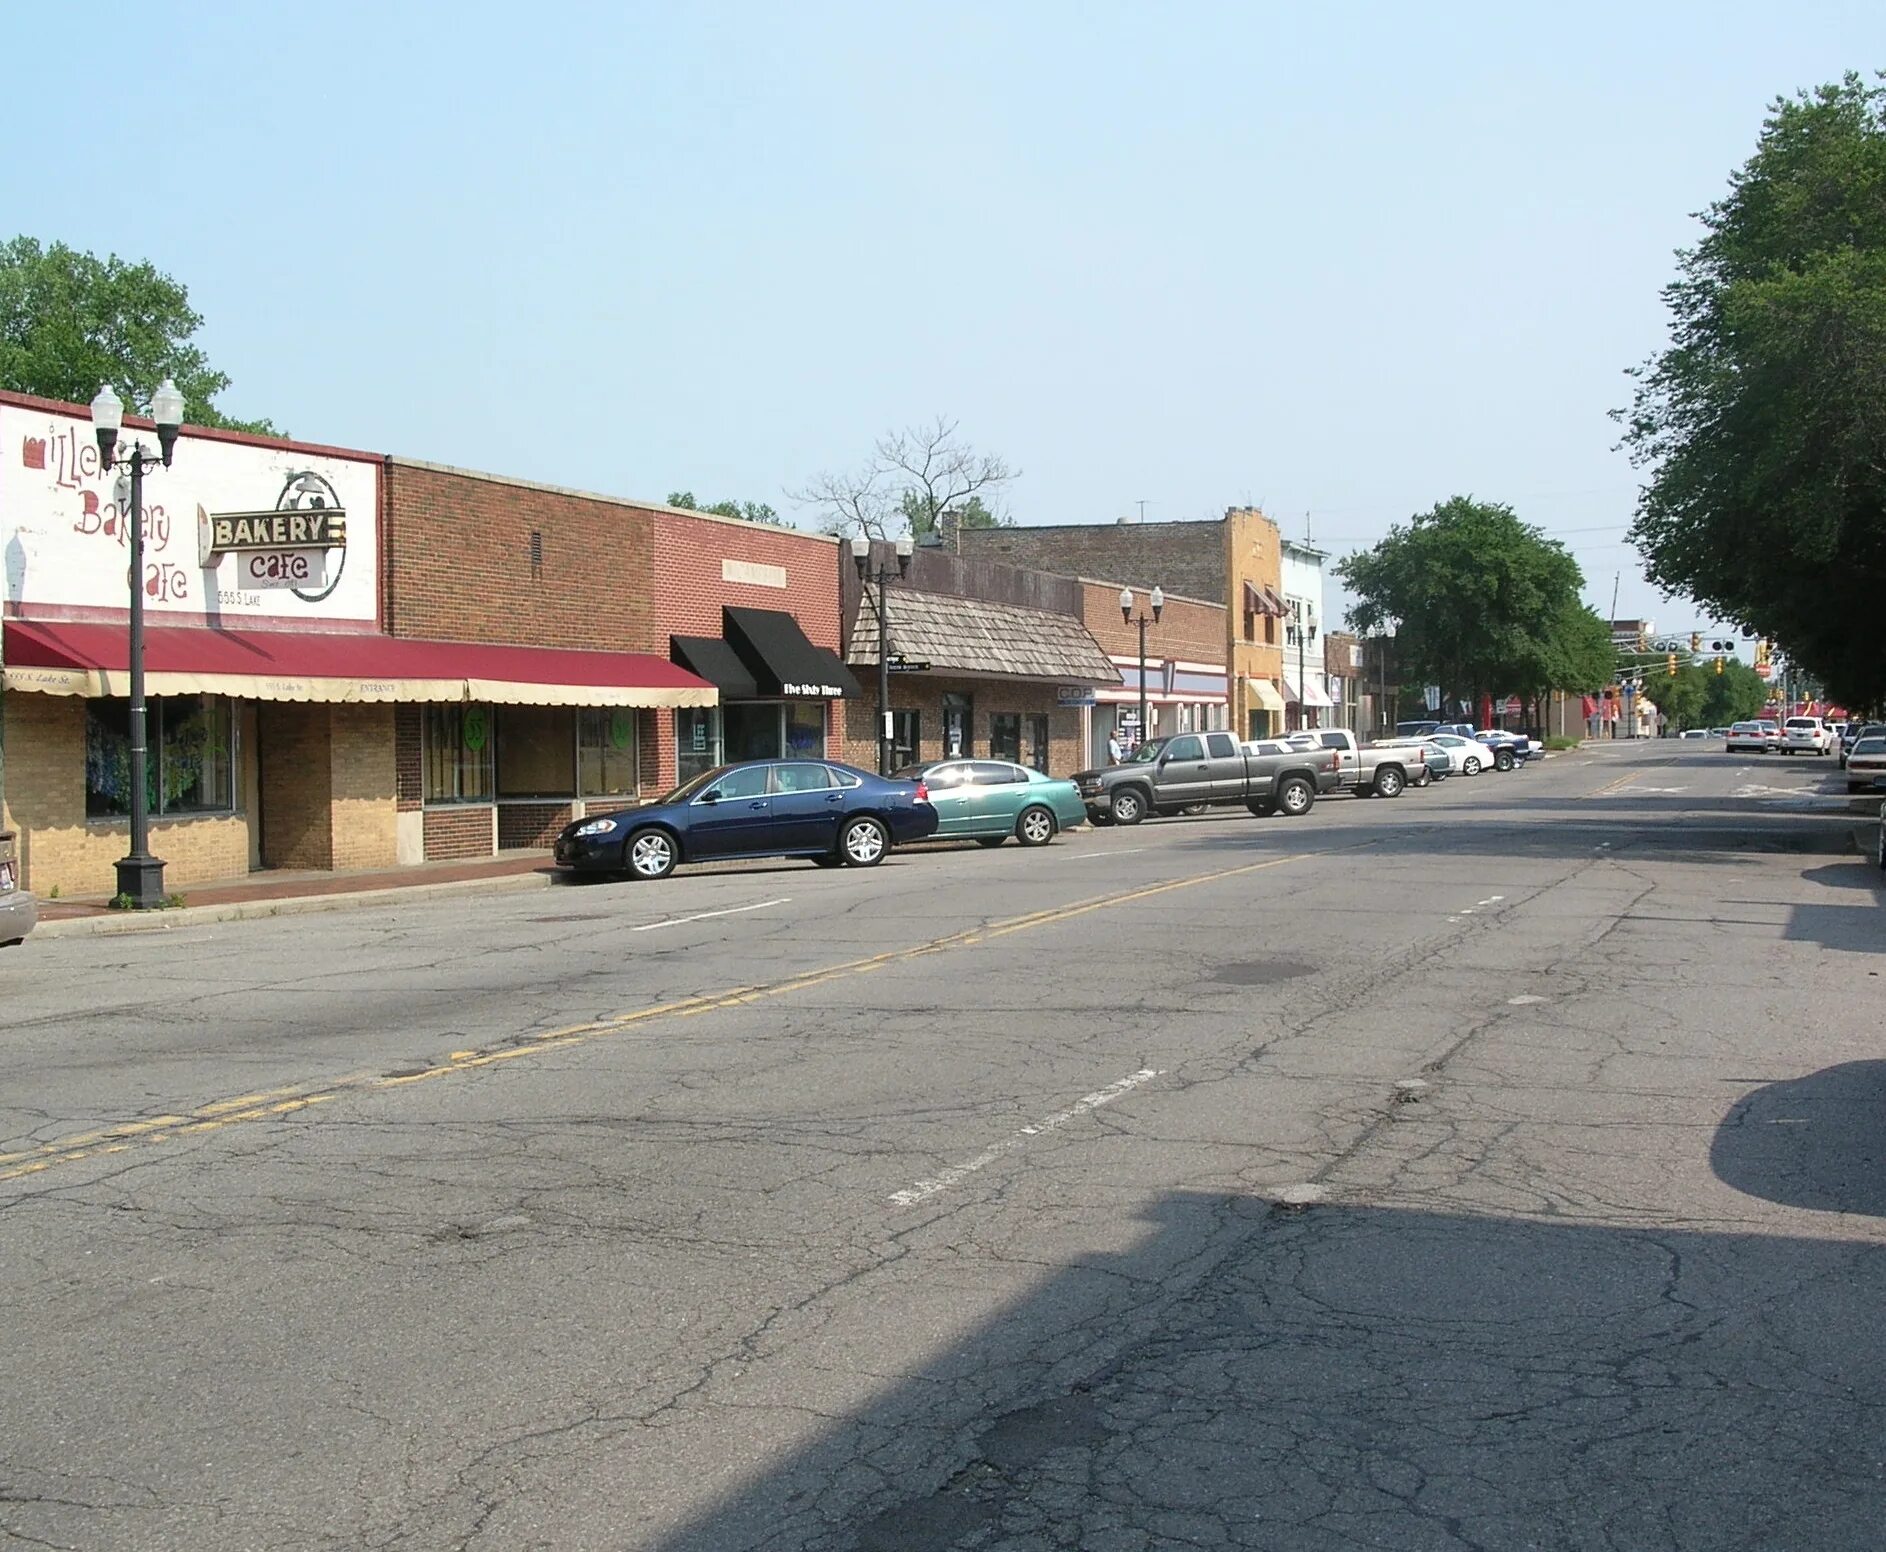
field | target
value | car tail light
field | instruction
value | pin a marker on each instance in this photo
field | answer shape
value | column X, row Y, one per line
column 923, row 792
column 1335, row 763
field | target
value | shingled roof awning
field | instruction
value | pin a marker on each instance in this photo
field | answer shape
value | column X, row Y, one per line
column 971, row 636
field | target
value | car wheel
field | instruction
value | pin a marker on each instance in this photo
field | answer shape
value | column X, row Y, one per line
column 864, row 843
column 1389, row 782
column 1129, row 808
column 1295, row 797
column 1035, row 827
column 1470, row 766
column 650, row 854
column 1504, row 760
column 1262, row 809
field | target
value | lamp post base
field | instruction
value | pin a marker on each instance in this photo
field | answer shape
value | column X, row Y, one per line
column 141, row 881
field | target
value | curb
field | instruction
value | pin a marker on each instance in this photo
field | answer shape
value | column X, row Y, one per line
column 291, row 905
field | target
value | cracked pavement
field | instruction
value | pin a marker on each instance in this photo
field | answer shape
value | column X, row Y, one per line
column 1550, row 1222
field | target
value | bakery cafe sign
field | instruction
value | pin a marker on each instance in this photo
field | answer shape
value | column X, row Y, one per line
column 286, row 548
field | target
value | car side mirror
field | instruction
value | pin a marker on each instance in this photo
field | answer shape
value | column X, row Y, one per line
column 711, row 795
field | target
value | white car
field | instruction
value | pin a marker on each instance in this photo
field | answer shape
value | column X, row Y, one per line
column 1749, row 738
column 1465, row 756
column 1806, row 735
column 1866, row 764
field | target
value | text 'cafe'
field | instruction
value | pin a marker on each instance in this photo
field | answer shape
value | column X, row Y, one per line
column 285, row 727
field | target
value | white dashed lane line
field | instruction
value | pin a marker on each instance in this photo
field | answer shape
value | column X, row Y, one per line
column 732, row 910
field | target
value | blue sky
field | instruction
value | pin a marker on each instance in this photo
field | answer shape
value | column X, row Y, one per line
column 1343, row 261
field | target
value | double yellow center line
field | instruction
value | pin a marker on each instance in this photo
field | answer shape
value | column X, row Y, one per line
column 271, row 1103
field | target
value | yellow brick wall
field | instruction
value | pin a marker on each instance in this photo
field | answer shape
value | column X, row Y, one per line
column 1253, row 553
column 327, row 786
column 365, row 810
column 59, row 847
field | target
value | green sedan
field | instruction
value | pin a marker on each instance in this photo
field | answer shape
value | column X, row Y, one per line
column 989, row 800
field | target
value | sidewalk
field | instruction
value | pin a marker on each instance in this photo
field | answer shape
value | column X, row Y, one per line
column 284, row 892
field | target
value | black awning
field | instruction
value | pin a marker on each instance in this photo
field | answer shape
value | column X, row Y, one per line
column 716, row 662
column 782, row 660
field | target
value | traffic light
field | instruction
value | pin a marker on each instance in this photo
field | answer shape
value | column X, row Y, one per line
column 1672, row 665
column 1696, row 641
column 1643, row 641
column 1718, row 665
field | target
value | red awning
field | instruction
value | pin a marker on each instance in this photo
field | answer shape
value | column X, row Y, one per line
column 1263, row 601
column 67, row 658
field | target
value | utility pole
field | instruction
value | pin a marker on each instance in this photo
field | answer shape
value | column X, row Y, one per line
column 1141, row 504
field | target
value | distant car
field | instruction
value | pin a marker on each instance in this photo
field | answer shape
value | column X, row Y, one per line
column 990, row 800
column 1415, row 729
column 832, row 814
column 1806, row 735
column 1718, row 732
column 1866, row 761
column 1469, row 756
column 1509, row 749
column 1748, row 738
column 18, row 912
column 1436, row 763
column 1694, row 733
column 1854, row 733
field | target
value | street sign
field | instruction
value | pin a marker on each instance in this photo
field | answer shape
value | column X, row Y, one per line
column 899, row 664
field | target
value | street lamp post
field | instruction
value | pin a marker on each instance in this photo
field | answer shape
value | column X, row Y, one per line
column 140, row 875
column 883, row 576
column 1158, row 602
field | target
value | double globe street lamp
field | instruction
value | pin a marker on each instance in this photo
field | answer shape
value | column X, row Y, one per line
column 883, row 576
column 140, row 875
column 1158, row 602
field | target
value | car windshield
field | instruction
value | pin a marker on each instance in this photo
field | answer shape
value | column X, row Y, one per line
column 1870, row 746
column 1147, row 752
column 694, row 784
column 1802, row 722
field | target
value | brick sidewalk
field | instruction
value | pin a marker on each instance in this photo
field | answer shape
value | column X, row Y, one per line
column 286, row 884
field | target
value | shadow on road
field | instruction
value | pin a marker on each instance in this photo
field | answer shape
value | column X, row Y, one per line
column 1817, row 1142
column 1345, row 1377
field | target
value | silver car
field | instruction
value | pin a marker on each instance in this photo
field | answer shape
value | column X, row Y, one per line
column 18, row 914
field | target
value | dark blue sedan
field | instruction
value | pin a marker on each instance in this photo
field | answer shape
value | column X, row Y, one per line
column 831, row 813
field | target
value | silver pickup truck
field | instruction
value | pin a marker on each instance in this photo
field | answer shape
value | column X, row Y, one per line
column 1191, row 770
column 1386, row 773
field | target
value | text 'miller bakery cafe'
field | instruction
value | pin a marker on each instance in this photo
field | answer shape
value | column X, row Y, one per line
column 271, row 684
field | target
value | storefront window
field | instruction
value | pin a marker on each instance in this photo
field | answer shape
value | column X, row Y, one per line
column 1005, row 736
column 805, row 728
column 958, row 718
column 1036, row 753
column 192, row 763
column 606, row 753
column 697, row 741
column 458, row 756
column 906, row 739
column 752, row 730
column 535, row 751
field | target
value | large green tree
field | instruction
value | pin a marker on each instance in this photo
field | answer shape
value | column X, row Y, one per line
column 1480, row 603
column 1734, row 695
column 1763, row 425
column 70, row 321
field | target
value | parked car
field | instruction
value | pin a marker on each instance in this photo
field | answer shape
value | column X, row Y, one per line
column 1469, row 756
column 1509, row 750
column 18, row 912
column 1748, row 738
column 1168, row 774
column 990, row 800
column 833, row 814
column 1415, row 729
column 1372, row 771
column 1806, row 735
column 1854, row 733
column 1867, row 761
column 1428, row 762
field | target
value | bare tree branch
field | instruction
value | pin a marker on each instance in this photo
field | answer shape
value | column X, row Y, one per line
column 913, row 477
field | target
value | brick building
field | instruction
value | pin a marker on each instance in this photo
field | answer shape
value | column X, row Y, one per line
column 1186, row 685
column 1235, row 562
column 1008, row 668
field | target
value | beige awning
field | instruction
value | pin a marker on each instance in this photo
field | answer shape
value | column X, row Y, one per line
column 1265, row 694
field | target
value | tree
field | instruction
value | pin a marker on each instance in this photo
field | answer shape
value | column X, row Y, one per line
column 1480, row 602
column 746, row 511
column 1764, row 422
column 70, row 321
column 912, row 478
column 1734, row 695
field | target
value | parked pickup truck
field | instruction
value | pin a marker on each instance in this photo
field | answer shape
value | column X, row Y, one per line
column 1386, row 773
column 1206, row 769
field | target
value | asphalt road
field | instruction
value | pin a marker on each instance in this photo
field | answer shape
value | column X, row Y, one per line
column 1496, row 1167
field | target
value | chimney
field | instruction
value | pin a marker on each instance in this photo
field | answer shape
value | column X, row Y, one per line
column 949, row 526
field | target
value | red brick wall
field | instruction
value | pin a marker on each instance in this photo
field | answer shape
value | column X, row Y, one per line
column 458, row 832
column 522, row 825
column 853, row 737
column 689, row 589
column 1187, row 629
column 409, row 784
column 458, row 564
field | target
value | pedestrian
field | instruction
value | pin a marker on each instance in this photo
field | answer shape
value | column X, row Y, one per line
column 1116, row 751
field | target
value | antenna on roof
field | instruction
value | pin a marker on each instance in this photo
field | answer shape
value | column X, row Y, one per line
column 1141, row 504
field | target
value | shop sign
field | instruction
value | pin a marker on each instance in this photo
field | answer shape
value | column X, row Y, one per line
column 1076, row 695
column 823, row 692
column 284, row 534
